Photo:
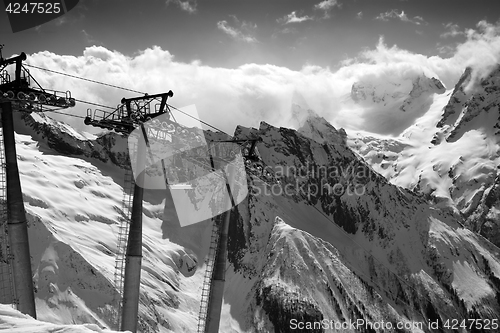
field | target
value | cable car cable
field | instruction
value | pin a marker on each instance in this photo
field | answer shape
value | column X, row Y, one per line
column 201, row 121
column 96, row 104
column 85, row 79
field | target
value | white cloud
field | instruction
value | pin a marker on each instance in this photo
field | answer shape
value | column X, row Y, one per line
column 326, row 6
column 481, row 50
column 418, row 20
column 293, row 18
column 89, row 38
column 187, row 5
column 244, row 33
column 251, row 93
column 286, row 30
column 452, row 30
column 445, row 50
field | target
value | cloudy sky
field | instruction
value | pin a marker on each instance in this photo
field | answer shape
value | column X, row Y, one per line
column 250, row 59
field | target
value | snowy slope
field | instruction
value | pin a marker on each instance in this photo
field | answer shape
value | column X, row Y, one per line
column 74, row 206
column 450, row 154
column 13, row 321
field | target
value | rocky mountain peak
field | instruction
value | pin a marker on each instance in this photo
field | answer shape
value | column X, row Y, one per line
column 471, row 105
column 422, row 85
column 320, row 130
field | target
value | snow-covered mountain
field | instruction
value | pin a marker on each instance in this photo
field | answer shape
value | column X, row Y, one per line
column 449, row 154
column 391, row 104
column 334, row 240
column 385, row 242
column 395, row 92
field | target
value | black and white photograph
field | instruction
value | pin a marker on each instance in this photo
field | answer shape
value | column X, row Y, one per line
column 237, row 166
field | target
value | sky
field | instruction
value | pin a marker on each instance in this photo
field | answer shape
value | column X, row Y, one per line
column 251, row 59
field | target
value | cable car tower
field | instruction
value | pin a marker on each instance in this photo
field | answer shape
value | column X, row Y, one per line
column 16, row 93
column 131, row 114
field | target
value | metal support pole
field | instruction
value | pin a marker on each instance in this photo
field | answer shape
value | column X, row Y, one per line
column 133, row 259
column 219, row 274
column 16, row 220
column 218, row 280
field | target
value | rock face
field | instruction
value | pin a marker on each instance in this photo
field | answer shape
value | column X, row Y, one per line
column 473, row 107
column 484, row 218
column 457, row 97
column 422, row 85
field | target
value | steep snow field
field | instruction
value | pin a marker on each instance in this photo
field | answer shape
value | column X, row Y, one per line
column 402, row 159
column 73, row 208
column 13, row 321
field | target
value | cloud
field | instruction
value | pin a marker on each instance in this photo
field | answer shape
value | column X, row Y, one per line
column 445, row 50
column 326, row 6
column 223, row 97
column 60, row 21
column 293, row 18
column 248, row 94
column 481, row 50
column 288, row 30
column 187, row 5
column 418, row 20
column 244, row 33
column 359, row 15
column 285, row 30
column 89, row 39
column 452, row 30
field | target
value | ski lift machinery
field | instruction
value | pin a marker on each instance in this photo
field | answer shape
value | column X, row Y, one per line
column 17, row 94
